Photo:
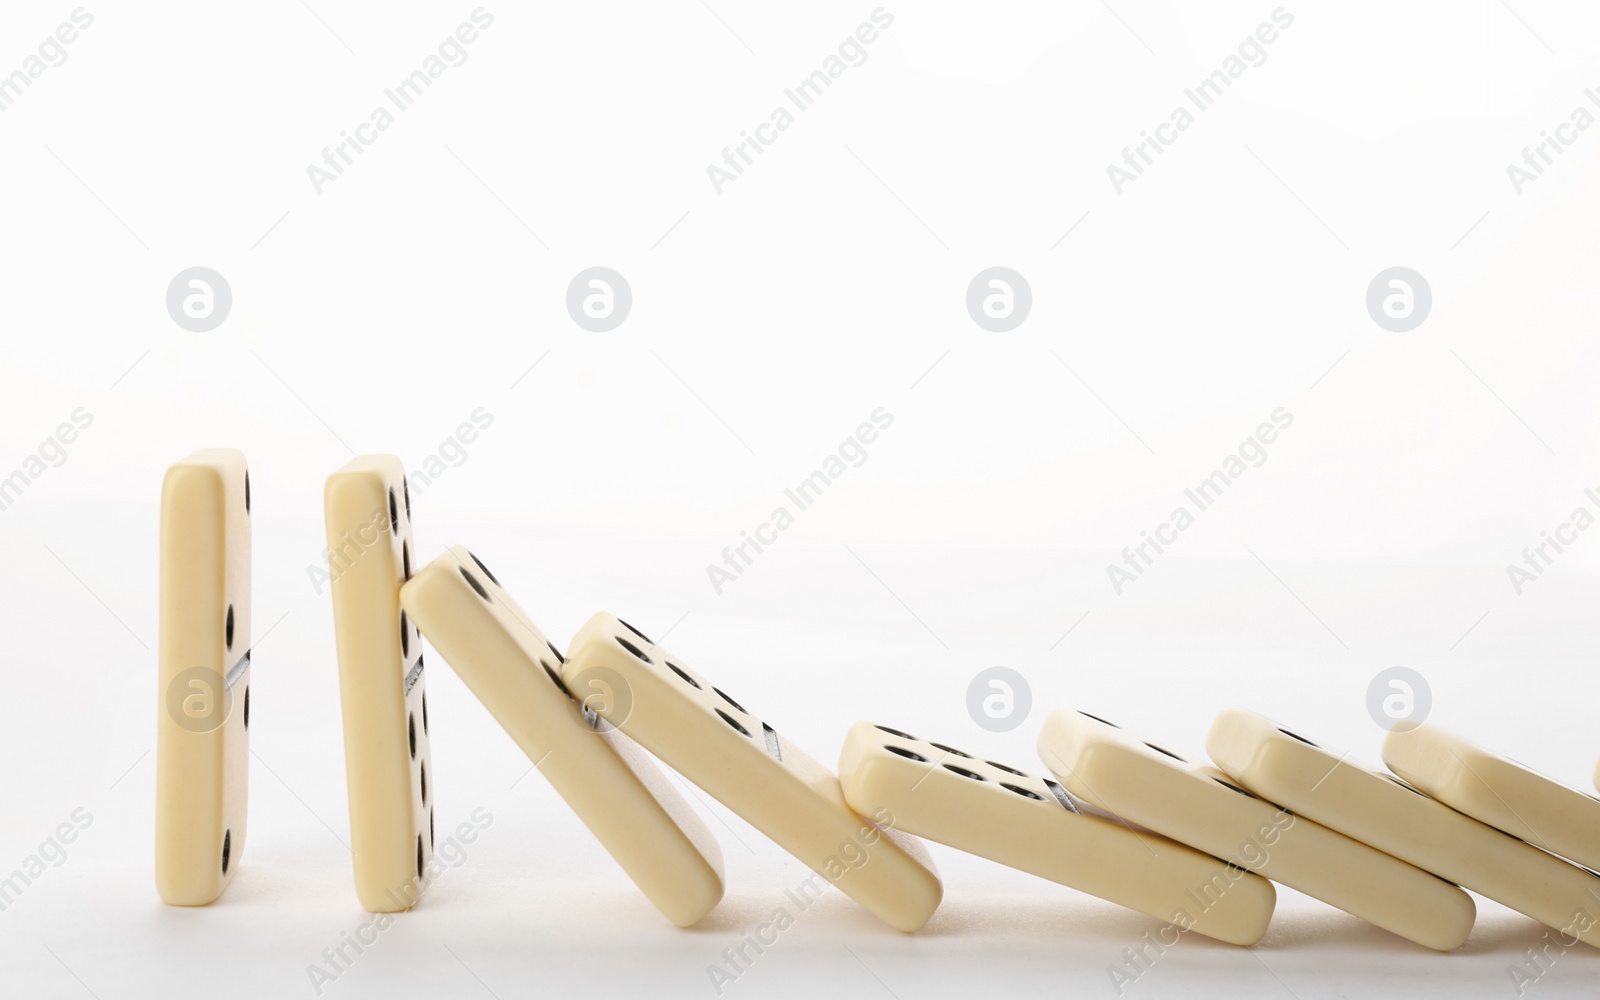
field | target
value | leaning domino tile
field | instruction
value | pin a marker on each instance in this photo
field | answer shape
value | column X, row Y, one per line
column 709, row 738
column 1499, row 791
column 1386, row 813
column 202, row 732
column 1197, row 805
column 613, row 786
column 1033, row 824
column 367, row 512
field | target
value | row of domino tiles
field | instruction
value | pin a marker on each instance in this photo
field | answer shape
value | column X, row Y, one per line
column 1191, row 844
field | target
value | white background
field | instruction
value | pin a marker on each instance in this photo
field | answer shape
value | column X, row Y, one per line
column 768, row 321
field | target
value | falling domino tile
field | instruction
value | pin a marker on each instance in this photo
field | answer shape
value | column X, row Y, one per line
column 1033, row 824
column 1386, row 813
column 678, row 715
column 613, row 786
column 1199, row 806
column 1508, row 796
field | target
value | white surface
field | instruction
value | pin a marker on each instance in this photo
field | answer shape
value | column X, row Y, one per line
column 386, row 310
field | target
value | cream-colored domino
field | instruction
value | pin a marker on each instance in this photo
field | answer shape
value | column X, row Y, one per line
column 613, row 786
column 741, row 761
column 367, row 508
column 1502, row 793
column 1033, row 824
column 1384, row 812
column 202, row 733
column 1196, row 805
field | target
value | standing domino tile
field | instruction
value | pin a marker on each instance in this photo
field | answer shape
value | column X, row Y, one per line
column 742, row 762
column 1384, row 812
column 1032, row 824
column 613, row 786
column 1196, row 805
column 367, row 506
column 1502, row 793
column 202, row 733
